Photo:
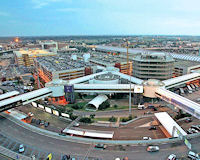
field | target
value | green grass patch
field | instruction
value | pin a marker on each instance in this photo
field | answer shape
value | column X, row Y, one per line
column 102, row 119
column 82, row 104
column 118, row 108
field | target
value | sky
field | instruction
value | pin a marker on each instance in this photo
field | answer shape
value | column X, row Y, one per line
column 99, row 17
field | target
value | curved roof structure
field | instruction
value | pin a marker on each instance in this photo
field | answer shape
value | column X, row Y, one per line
column 186, row 57
column 97, row 101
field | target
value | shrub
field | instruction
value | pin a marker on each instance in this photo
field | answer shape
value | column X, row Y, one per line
column 76, row 106
column 112, row 119
column 115, row 106
column 104, row 105
column 72, row 116
column 92, row 116
column 86, row 120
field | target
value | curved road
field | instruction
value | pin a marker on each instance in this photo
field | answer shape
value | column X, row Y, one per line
column 49, row 144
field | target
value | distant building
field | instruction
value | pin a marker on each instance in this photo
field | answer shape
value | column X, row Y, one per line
column 153, row 66
column 25, row 57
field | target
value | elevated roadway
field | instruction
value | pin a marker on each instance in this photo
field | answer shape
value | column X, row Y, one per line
column 104, row 88
column 183, row 103
column 173, row 82
column 24, row 98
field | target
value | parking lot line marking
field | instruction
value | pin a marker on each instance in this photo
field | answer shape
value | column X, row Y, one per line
column 14, row 146
column 11, row 142
column 4, row 142
column 32, row 150
column 26, row 149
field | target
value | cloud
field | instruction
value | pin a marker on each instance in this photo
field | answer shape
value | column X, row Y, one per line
column 186, row 6
column 41, row 3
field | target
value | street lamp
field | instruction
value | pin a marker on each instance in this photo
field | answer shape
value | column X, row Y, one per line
column 128, row 72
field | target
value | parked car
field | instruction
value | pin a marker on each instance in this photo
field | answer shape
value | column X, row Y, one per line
column 76, row 124
column 193, row 155
column 100, row 146
column 146, row 138
column 30, row 114
column 46, row 124
column 141, row 106
column 194, row 130
column 66, row 157
column 38, row 121
column 153, row 148
column 154, row 109
column 21, row 148
column 171, row 157
column 42, row 122
column 189, row 131
column 33, row 120
column 152, row 128
column 150, row 107
column 188, row 120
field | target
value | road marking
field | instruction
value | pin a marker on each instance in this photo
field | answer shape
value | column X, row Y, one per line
column 4, row 142
column 11, row 142
column 14, row 146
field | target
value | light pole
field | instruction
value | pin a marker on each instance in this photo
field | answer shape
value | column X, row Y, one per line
column 129, row 73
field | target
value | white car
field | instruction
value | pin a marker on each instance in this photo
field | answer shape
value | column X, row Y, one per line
column 171, row 157
column 153, row 148
column 146, row 138
column 76, row 124
column 21, row 148
column 193, row 155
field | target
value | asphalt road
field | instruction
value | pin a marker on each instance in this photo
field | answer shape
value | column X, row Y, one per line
column 58, row 147
column 2, row 157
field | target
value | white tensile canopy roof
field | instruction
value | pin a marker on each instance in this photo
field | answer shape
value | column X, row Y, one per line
column 98, row 100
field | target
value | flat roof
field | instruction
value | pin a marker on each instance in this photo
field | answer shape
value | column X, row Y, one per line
column 89, row 133
column 18, row 115
column 33, row 52
column 62, row 62
column 169, row 123
column 185, row 63
column 136, row 51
